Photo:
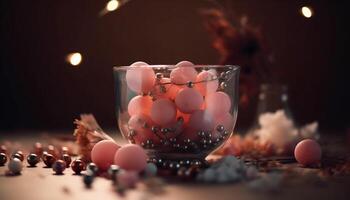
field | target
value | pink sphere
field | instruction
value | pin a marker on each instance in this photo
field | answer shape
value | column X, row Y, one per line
column 188, row 100
column 140, row 105
column 127, row 179
column 141, row 129
column 205, row 83
column 218, row 103
column 201, row 120
column 102, row 154
column 183, row 73
column 163, row 112
column 131, row 157
column 308, row 152
column 170, row 89
column 140, row 77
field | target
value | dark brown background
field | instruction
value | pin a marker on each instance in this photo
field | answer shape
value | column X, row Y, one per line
column 39, row 90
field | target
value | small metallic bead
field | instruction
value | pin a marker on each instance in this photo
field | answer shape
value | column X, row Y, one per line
column 32, row 159
column 223, row 85
column 203, row 141
column 17, row 155
column 190, row 84
column 164, row 130
column 164, row 142
column 78, row 166
column 172, row 140
column 113, row 171
column 3, row 159
column 154, row 129
column 88, row 180
column 176, row 145
column 187, row 140
column 49, row 159
column 209, row 141
column 225, row 133
column 67, row 159
column 208, row 135
column 159, row 75
column 201, row 134
column 174, row 165
column 220, row 128
column 59, row 166
column 205, row 146
column 223, row 75
column 195, row 163
column 185, row 147
column 92, row 167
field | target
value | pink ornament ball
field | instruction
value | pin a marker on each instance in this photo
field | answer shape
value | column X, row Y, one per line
column 140, row 78
column 188, row 100
column 170, row 89
column 163, row 112
column 218, row 103
column 206, row 83
column 308, row 152
column 131, row 157
column 127, row 179
column 140, row 105
column 201, row 120
column 102, row 154
column 183, row 73
column 141, row 129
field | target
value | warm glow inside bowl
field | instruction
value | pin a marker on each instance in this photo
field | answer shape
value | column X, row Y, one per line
column 177, row 112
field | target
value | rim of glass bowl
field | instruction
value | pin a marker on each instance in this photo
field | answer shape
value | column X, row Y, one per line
column 233, row 67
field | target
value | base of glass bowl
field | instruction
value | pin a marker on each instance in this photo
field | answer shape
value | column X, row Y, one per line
column 176, row 160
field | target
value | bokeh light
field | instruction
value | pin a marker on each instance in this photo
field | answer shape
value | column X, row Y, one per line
column 306, row 11
column 74, row 58
column 112, row 5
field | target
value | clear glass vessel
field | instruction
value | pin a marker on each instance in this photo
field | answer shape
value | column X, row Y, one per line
column 197, row 124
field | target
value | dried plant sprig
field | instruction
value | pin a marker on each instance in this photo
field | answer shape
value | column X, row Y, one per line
column 87, row 134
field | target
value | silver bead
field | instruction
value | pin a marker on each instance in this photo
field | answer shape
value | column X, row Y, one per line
column 190, row 84
column 154, row 129
column 187, row 140
column 159, row 75
column 223, row 85
column 223, row 75
column 225, row 133
column 220, row 128
column 172, row 140
column 201, row 133
column 164, row 130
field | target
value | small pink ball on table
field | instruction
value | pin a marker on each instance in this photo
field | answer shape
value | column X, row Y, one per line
column 183, row 73
column 218, row 103
column 188, row 100
column 308, row 152
column 140, row 77
column 163, row 112
column 127, row 179
column 102, row 154
column 205, row 83
column 131, row 157
column 140, row 105
column 141, row 125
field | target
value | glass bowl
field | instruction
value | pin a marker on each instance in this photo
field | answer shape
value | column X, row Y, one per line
column 177, row 112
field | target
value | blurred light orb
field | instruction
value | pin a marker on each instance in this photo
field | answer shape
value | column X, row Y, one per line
column 112, row 5
column 74, row 58
column 306, row 11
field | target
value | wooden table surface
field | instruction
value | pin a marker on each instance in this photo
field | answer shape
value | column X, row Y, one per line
column 41, row 183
